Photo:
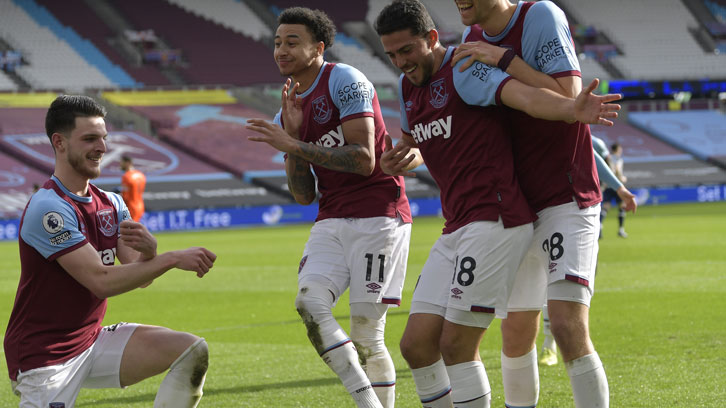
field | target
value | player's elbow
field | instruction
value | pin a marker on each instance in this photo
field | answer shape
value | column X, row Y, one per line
column 367, row 166
column 100, row 291
column 304, row 199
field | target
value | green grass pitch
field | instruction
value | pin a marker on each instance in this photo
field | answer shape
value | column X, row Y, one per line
column 658, row 318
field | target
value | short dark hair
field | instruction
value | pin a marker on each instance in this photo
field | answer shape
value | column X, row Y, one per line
column 126, row 158
column 64, row 110
column 615, row 146
column 404, row 14
column 317, row 22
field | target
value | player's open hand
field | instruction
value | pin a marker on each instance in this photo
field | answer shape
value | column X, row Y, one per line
column 477, row 51
column 629, row 203
column 271, row 134
column 135, row 236
column 292, row 113
column 596, row 109
column 195, row 259
column 396, row 159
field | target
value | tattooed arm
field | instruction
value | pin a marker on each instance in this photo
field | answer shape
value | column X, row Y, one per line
column 357, row 156
column 300, row 180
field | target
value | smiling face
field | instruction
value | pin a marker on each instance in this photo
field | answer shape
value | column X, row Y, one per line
column 474, row 11
column 412, row 54
column 295, row 49
column 84, row 147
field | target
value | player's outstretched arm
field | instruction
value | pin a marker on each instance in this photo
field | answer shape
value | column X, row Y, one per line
column 399, row 160
column 629, row 201
column 596, row 109
column 85, row 265
column 546, row 104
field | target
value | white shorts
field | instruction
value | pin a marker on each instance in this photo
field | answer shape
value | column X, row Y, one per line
column 564, row 248
column 471, row 270
column 97, row 367
column 369, row 255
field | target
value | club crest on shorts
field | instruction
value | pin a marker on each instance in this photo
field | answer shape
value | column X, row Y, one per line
column 52, row 222
column 105, row 222
column 438, row 94
column 321, row 109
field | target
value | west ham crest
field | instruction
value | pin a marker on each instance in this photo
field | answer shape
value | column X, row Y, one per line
column 321, row 109
column 437, row 91
column 105, row 222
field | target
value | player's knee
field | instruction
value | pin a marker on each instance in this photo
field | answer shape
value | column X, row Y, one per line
column 415, row 351
column 193, row 362
column 313, row 300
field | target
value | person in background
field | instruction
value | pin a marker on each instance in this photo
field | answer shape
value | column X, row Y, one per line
column 610, row 193
column 133, row 183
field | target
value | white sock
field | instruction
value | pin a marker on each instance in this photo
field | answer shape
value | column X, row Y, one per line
column 367, row 327
column 521, row 380
column 182, row 386
column 589, row 383
column 314, row 303
column 343, row 360
column 469, row 385
column 432, row 385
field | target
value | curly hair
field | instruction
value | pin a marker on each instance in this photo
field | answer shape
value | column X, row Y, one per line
column 402, row 15
column 317, row 22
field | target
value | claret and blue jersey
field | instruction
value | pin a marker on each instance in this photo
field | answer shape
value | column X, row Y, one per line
column 338, row 94
column 55, row 317
column 458, row 128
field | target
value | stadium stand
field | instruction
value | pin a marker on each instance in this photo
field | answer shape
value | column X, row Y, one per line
column 212, row 54
column 78, row 15
column 190, row 139
column 214, row 133
column 652, row 162
column 232, row 14
column 16, row 185
column 52, row 62
column 700, row 133
column 7, row 84
column 175, row 179
column 665, row 50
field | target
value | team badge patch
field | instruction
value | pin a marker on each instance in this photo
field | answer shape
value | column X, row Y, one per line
column 321, row 109
column 105, row 222
column 52, row 222
column 438, row 94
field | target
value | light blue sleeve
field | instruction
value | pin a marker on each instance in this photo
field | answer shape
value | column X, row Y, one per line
column 50, row 224
column 600, row 147
column 277, row 120
column 402, row 108
column 122, row 212
column 605, row 174
column 351, row 91
column 546, row 40
column 478, row 84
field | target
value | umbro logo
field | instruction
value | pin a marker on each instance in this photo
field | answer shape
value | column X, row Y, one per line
column 373, row 287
